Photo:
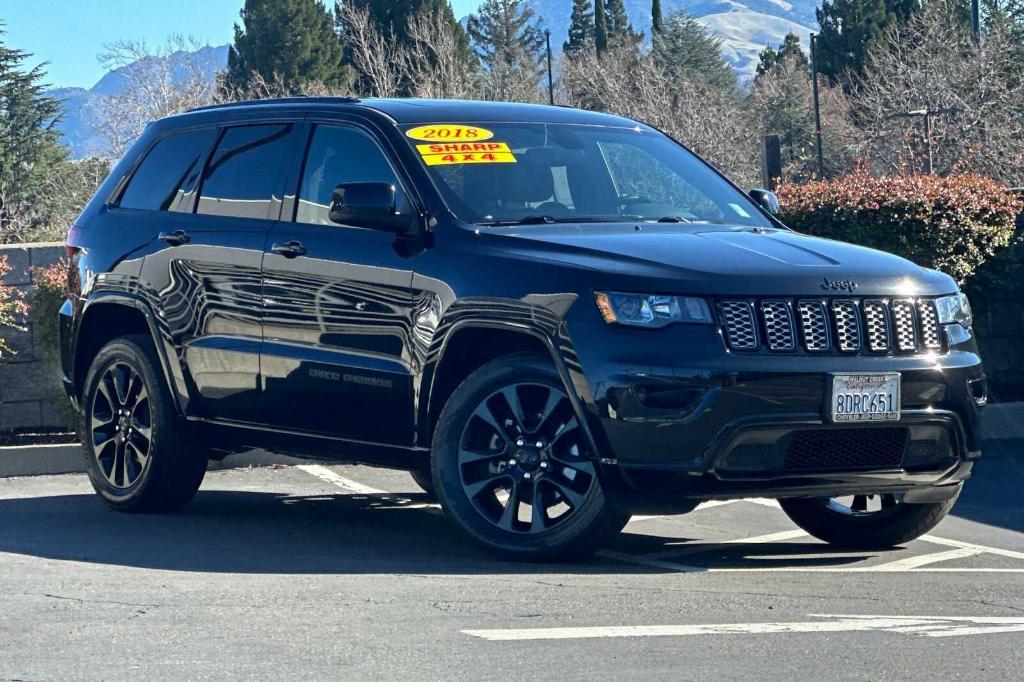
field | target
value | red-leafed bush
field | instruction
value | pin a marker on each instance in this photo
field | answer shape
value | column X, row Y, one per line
column 12, row 305
column 953, row 224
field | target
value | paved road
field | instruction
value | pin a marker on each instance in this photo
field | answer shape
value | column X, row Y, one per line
column 315, row 572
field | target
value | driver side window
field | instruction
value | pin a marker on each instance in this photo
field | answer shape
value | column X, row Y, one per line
column 338, row 154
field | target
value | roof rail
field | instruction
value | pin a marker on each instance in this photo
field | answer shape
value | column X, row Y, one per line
column 300, row 99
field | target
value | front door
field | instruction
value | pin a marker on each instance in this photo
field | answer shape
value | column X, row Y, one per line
column 338, row 306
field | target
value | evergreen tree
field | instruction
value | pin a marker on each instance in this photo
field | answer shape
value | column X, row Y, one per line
column 290, row 40
column 600, row 27
column 509, row 41
column 581, row 28
column 620, row 31
column 29, row 143
column 850, row 28
column 684, row 49
column 789, row 51
column 393, row 15
column 657, row 22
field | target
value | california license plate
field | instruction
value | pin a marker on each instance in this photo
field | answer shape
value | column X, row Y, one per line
column 865, row 398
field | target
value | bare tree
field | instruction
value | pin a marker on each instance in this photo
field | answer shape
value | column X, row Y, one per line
column 377, row 56
column 711, row 120
column 974, row 95
column 154, row 84
column 435, row 65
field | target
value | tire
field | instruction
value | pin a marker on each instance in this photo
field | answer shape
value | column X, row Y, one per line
column 424, row 480
column 476, row 459
column 139, row 453
column 899, row 523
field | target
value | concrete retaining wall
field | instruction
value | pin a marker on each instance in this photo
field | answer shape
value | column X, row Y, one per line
column 29, row 390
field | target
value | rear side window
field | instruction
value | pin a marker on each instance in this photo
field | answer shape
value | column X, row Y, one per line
column 245, row 175
column 168, row 175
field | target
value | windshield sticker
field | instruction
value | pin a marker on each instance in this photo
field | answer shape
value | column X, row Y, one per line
column 445, row 132
column 739, row 210
column 465, row 152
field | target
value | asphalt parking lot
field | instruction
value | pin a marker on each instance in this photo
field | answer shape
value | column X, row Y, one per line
column 347, row 572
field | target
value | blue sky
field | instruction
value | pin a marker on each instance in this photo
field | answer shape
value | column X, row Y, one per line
column 70, row 33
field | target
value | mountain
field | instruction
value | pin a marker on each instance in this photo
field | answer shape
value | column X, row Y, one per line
column 79, row 104
column 745, row 27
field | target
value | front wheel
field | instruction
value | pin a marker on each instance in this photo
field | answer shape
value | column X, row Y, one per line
column 513, row 469
column 866, row 521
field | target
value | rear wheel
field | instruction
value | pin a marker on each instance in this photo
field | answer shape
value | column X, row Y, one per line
column 424, row 480
column 866, row 521
column 512, row 466
column 138, row 452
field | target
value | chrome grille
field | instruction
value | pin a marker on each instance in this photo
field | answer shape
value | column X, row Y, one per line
column 876, row 317
column 814, row 326
column 778, row 325
column 903, row 320
column 928, row 319
column 847, row 319
column 739, row 324
column 846, row 325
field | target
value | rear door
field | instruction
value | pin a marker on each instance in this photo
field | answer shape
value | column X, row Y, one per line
column 337, row 354
column 206, row 275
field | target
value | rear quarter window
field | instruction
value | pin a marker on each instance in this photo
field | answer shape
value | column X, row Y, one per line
column 167, row 177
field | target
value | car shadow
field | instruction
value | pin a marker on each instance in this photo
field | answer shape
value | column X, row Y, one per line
column 269, row 533
column 992, row 496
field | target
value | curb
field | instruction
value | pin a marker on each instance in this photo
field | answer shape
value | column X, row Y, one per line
column 36, row 460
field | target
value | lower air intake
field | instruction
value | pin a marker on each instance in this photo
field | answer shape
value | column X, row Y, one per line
column 846, row 449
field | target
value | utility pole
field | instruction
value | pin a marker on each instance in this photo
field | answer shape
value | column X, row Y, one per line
column 976, row 20
column 551, row 82
column 817, row 107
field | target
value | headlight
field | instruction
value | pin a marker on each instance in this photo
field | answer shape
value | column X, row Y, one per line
column 954, row 309
column 651, row 311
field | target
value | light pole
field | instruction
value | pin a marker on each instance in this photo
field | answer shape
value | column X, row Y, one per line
column 817, row 107
column 551, row 84
column 927, row 114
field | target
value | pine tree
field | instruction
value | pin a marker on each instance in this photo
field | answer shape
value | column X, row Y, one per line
column 849, row 30
column 657, row 22
column 29, row 144
column 600, row 27
column 620, row 31
column 392, row 16
column 684, row 49
column 581, row 28
column 789, row 51
column 288, row 40
column 509, row 41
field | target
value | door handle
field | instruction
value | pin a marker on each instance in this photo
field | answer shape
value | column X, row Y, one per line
column 176, row 238
column 289, row 249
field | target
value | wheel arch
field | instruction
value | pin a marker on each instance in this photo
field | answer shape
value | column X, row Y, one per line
column 468, row 345
column 110, row 316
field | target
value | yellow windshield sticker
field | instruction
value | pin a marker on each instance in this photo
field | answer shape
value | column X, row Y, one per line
column 439, row 154
column 449, row 132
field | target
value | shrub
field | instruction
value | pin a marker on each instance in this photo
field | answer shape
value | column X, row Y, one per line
column 47, row 297
column 12, row 306
column 953, row 224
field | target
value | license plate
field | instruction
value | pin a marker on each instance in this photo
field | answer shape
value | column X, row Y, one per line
column 865, row 398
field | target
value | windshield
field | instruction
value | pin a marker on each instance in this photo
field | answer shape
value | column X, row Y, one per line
column 534, row 173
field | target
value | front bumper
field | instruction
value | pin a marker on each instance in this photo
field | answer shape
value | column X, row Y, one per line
column 676, row 416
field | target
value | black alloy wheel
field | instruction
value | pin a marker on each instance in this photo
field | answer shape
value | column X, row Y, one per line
column 121, row 425
column 520, row 459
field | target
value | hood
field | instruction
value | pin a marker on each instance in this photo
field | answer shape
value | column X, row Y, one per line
column 713, row 259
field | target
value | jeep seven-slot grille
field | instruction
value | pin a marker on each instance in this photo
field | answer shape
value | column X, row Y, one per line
column 843, row 325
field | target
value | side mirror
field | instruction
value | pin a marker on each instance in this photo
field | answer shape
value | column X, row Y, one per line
column 766, row 199
column 369, row 204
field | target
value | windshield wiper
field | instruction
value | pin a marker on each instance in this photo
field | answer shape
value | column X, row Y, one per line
column 536, row 220
column 673, row 219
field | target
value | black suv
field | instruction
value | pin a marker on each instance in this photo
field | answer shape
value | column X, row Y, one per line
column 553, row 318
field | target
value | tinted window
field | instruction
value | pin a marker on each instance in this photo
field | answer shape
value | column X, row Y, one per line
column 167, row 178
column 245, row 175
column 338, row 155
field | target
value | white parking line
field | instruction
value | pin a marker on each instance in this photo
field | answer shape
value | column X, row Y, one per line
column 925, row 559
column 958, row 543
column 325, row 474
column 684, row 550
column 922, row 626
